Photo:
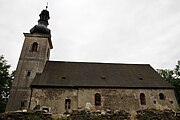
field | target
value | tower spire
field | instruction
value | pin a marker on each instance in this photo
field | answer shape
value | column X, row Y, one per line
column 42, row 23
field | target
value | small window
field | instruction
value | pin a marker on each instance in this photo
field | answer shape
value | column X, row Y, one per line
column 97, row 99
column 161, row 96
column 34, row 47
column 67, row 104
column 28, row 73
column 142, row 99
column 22, row 104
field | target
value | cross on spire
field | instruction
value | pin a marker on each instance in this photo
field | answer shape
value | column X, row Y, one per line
column 47, row 6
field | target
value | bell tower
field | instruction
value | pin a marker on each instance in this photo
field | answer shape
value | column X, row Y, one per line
column 35, row 52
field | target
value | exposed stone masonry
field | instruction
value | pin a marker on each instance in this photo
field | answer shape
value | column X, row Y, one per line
column 111, row 99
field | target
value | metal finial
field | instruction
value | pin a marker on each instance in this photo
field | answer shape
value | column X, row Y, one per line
column 47, row 6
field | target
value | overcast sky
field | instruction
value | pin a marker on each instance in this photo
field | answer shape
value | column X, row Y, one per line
column 113, row 31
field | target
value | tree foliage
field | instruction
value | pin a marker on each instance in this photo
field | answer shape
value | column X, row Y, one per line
column 5, row 82
column 173, row 77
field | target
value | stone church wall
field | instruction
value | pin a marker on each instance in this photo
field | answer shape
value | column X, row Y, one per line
column 111, row 99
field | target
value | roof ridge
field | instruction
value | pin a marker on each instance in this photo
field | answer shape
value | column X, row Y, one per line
column 98, row 63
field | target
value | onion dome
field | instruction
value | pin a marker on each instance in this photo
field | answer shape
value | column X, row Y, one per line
column 42, row 23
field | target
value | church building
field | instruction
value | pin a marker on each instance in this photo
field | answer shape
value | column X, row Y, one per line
column 61, row 86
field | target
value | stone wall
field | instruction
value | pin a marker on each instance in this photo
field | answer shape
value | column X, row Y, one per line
column 111, row 99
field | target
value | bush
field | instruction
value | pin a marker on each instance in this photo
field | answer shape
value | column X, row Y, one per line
column 153, row 114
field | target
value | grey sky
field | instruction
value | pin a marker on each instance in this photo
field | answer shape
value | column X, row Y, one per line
column 115, row 31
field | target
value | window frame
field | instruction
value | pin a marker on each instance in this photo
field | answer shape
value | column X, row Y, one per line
column 67, row 104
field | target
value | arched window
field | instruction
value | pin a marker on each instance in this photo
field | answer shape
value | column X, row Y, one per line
column 97, row 99
column 143, row 99
column 67, row 104
column 161, row 96
column 34, row 47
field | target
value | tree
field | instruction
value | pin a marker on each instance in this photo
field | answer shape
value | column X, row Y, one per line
column 5, row 82
column 173, row 77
